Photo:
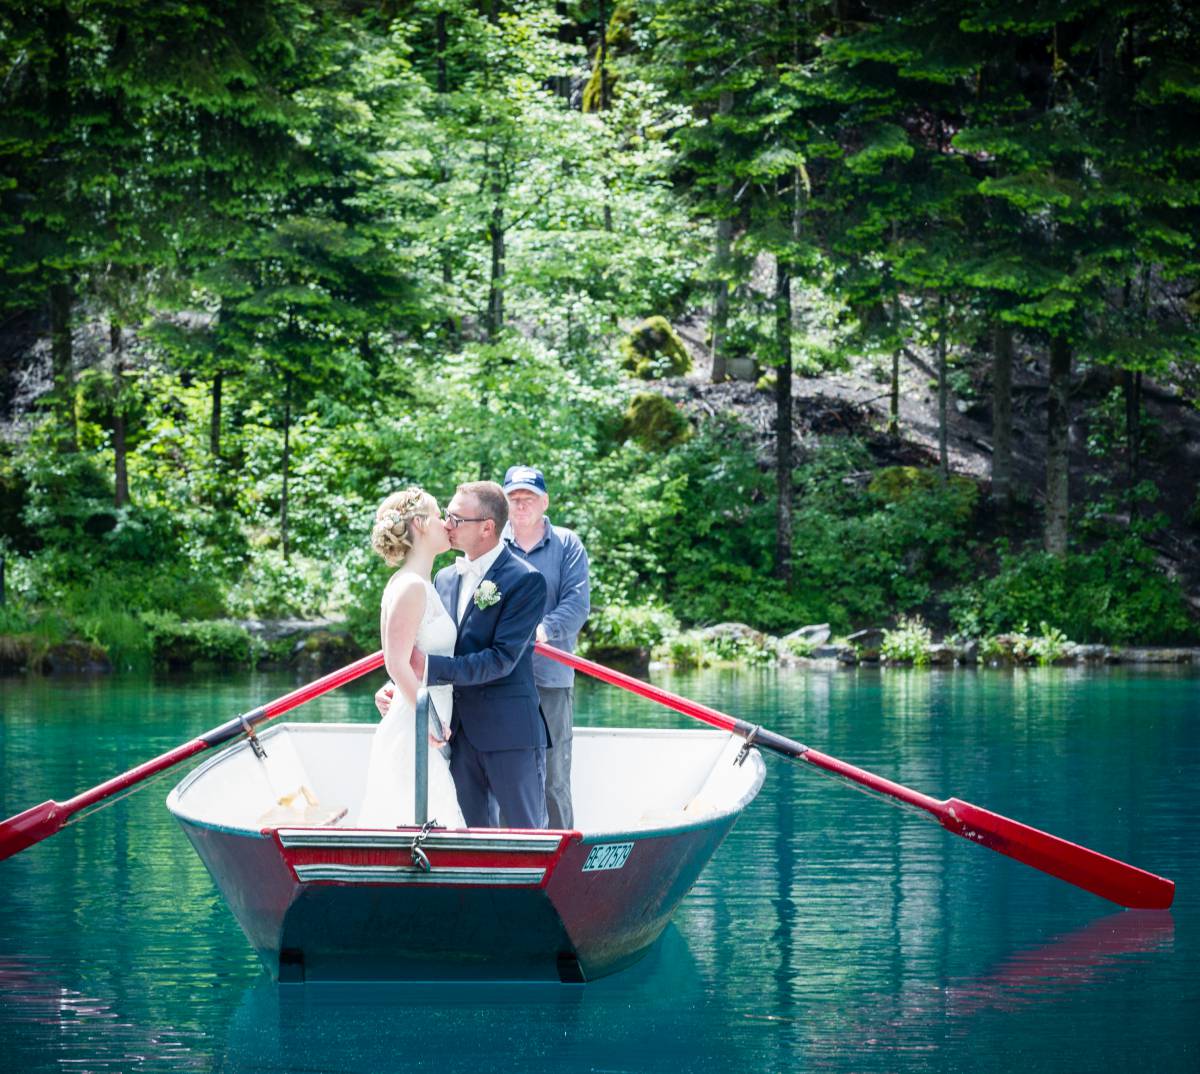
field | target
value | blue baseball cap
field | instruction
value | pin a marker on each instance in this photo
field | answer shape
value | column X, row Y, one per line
column 524, row 477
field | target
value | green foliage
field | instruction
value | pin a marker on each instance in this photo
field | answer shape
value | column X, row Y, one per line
column 179, row 643
column 628, row 627
column 739, row 647
column 1113, row 593
column 1021, row 647
column 900, row 484
column 907, row 643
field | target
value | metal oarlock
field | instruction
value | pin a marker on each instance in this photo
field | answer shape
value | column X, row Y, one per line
column 255, row 745
column 744, row 752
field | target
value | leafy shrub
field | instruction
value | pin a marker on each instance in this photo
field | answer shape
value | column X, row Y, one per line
column 620, row 626
column 273, row 586
column 1113, row 593
column 796, row 646
column 686, row 650
column 215, row 641
column 741, row 647
column 1021, row 647
column 908, row 642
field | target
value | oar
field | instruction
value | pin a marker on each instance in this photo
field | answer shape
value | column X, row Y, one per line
column 44, row 820
column 1122, row 883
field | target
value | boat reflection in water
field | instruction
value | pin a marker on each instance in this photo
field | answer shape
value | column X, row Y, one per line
column 322, row 900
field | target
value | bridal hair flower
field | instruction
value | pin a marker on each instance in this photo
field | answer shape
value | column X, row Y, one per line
column 487, row 594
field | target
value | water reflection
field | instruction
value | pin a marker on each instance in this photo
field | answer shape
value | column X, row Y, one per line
column 829, row 931
column 81, row 1031
column 1047, row 976
column 615, row 1024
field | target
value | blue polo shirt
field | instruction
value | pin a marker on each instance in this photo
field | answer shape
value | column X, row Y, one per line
column 562, row 561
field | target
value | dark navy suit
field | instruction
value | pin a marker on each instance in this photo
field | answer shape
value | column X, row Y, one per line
column 498, row 757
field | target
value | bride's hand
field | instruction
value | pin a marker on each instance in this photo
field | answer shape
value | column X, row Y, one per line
column 435, row 741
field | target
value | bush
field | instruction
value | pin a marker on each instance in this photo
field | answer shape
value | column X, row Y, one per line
column 908, row 643
column 1114, row 593
column 1021, row 647
column 178, row 643
column 273, row 587
column 629, row 627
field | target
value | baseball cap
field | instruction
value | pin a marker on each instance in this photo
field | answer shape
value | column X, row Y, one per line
column 524, row 477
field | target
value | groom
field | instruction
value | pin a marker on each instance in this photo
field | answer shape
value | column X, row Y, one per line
column 499, row 736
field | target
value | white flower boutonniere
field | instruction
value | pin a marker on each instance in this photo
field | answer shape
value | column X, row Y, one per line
column 486, row 595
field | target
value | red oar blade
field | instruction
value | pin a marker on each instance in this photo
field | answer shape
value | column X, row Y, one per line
column 1124, row 884
column 35, row 824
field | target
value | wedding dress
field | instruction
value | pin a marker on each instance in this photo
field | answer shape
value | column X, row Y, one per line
column 388, row 801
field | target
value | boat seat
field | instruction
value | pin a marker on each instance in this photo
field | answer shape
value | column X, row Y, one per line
column 301, row 809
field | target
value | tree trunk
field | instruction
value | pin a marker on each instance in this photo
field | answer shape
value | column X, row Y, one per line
column 214, row 421
column 1058, row 424
column 442, row 80
column 1131, row 384
column 495, row 315
column 120, row 471
column 783, row 422
column 1002, row 364
column 943, row 393
column 62, row 363
column 602, row 18
column 287, row 458
column 721, row 285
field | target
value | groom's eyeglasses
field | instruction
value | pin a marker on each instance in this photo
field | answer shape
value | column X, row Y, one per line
column 457, row 520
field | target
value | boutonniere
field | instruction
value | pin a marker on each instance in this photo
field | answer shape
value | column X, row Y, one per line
column 486, row 595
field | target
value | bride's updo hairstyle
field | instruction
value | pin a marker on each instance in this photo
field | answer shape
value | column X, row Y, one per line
column 396, row 520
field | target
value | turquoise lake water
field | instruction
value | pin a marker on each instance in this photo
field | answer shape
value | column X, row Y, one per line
column 831, row 931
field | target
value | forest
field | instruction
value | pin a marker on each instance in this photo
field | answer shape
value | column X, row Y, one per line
column 263, row 262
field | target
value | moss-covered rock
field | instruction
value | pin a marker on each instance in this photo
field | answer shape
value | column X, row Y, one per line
column 654, row 422
column 325, row 650
column 619, row 38
column 74, row 657
column 895, row 484
column 653, row 349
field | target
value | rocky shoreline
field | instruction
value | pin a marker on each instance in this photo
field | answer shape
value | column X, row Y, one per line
column 313, row 647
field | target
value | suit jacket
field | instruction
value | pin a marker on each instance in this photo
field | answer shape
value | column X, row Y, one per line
column 495, row 698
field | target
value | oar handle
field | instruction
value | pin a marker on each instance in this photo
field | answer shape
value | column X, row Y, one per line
column 42, row 821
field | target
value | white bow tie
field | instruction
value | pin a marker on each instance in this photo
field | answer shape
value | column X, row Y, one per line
column 466, row 567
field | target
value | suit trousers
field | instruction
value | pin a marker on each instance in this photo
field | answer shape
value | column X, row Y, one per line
column 494, row 781
column 558, row 706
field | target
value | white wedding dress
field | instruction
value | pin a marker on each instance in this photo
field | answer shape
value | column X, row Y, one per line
column 388, row 800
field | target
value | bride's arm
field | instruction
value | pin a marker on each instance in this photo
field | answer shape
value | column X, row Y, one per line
column 402, row 621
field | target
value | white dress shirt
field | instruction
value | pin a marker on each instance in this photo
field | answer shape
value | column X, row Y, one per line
column 472, row 572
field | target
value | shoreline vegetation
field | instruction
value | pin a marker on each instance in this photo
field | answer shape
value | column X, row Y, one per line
column 807, row 318
column 312, row 647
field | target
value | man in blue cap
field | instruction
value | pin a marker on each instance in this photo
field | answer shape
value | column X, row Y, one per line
column 559, row 555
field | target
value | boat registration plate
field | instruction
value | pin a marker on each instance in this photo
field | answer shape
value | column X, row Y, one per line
column 607, row 856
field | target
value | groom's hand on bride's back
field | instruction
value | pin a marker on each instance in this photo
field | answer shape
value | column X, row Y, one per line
column 383, row 697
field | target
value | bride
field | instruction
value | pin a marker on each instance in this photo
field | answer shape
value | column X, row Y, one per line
column 408, row 533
